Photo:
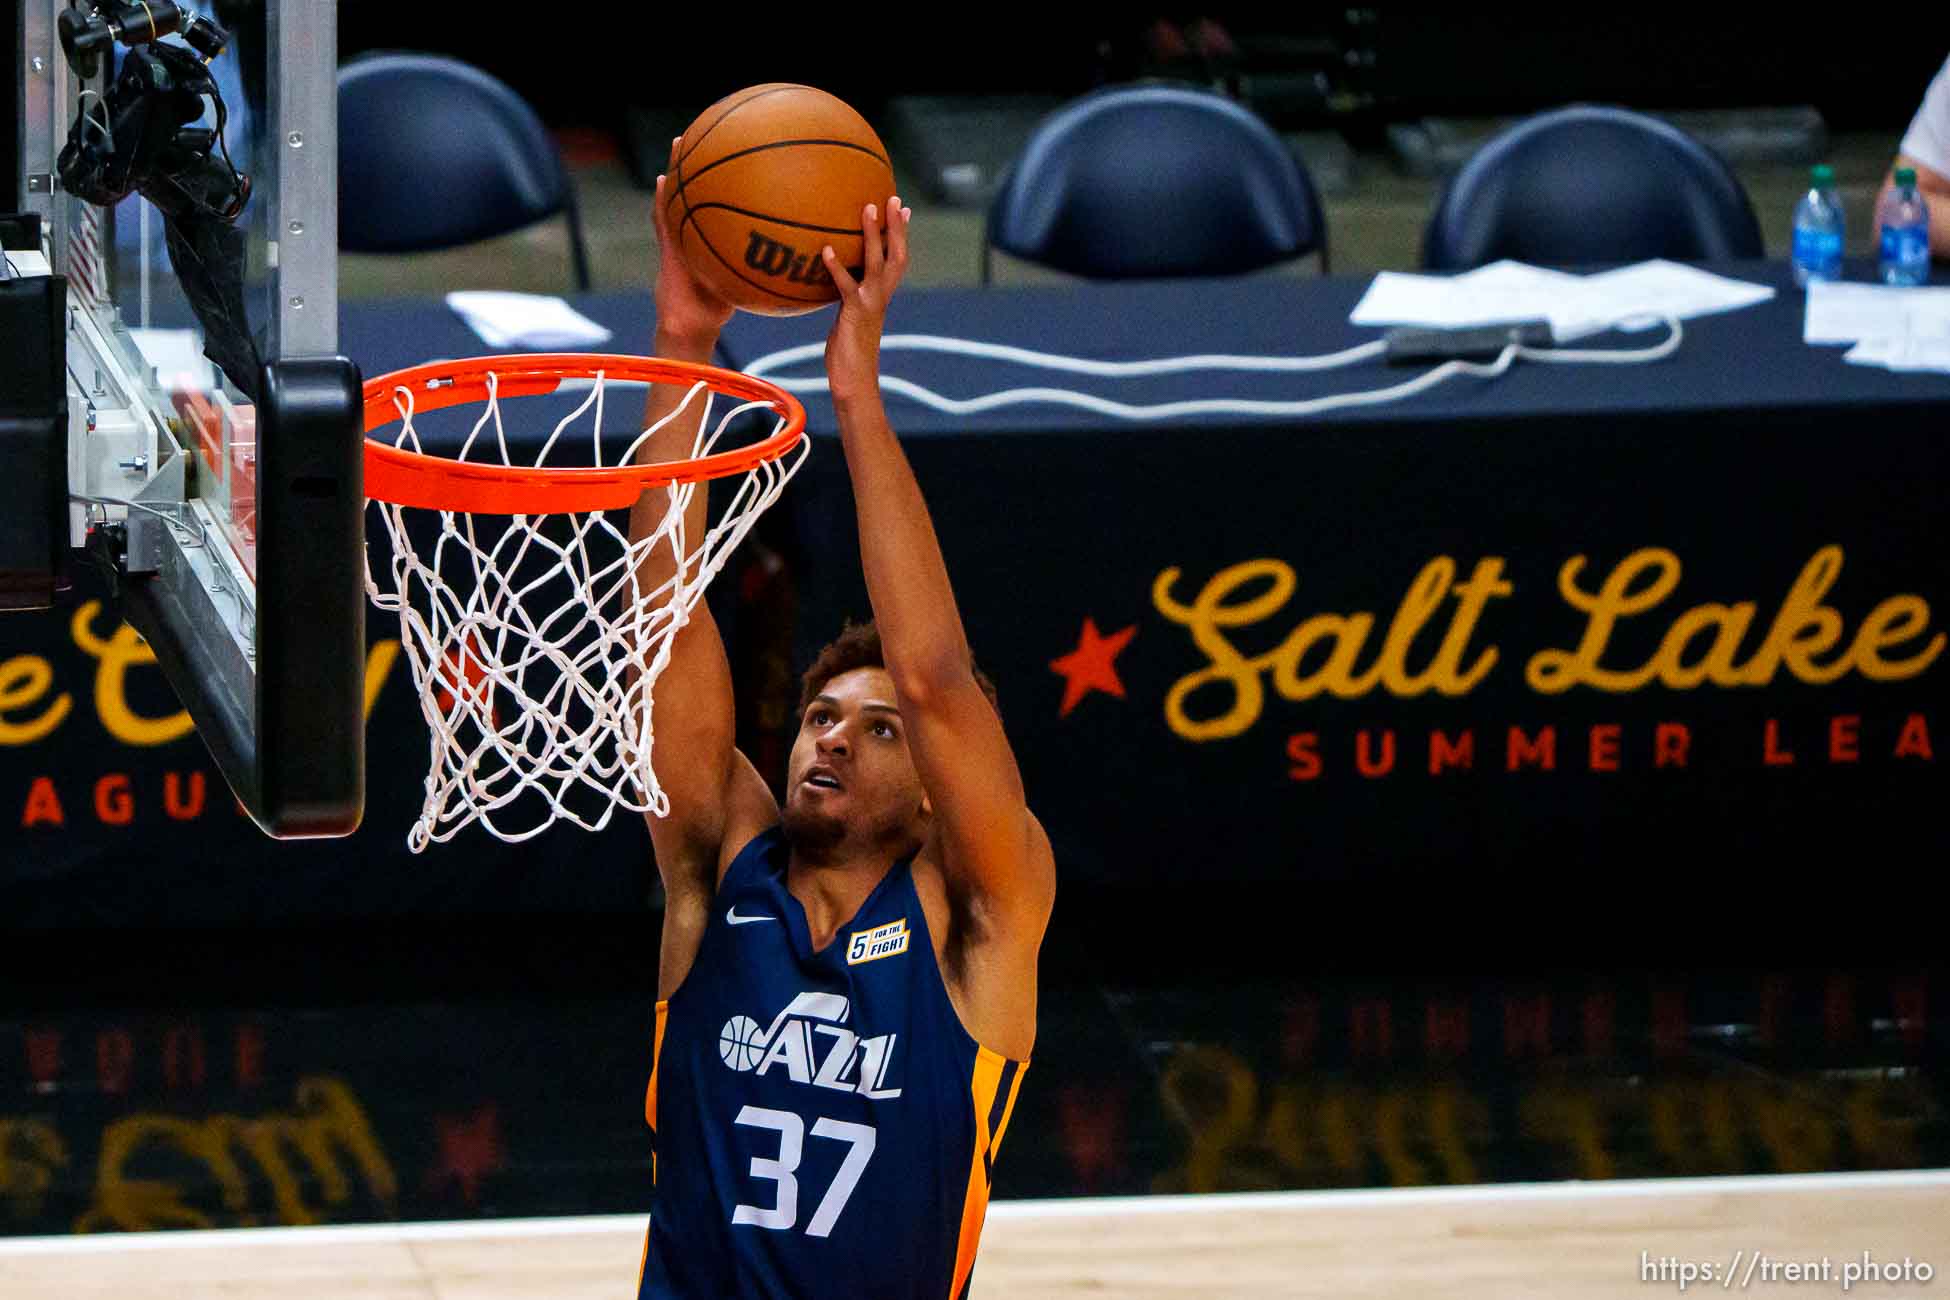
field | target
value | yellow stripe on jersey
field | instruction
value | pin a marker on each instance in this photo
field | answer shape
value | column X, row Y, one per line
column 656, row 1054
column 974, row 1206
column 993, row 1074
column 650, row 1116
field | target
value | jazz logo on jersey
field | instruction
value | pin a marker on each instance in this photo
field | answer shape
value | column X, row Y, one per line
column 881, row 941
column 843, row 1063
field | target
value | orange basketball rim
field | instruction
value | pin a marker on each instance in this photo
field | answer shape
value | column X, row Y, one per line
column 533, row 622
column 402, row 476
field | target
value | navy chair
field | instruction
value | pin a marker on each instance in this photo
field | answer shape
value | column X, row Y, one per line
column 1591, row 185
column 434, row 153
column 1141, row 181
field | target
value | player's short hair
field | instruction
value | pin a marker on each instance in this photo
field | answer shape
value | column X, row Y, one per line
column 858, row 646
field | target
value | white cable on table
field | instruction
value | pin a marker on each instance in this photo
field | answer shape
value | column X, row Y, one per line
column 1079, row 365
column 1617, row 356
column 1182, row 365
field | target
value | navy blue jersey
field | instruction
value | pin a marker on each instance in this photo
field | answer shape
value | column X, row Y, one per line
column 825, row 1126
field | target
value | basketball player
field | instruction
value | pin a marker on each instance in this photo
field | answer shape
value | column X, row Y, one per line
column 847, row 984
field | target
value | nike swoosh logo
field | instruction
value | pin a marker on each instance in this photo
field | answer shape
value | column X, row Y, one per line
column 731, row 915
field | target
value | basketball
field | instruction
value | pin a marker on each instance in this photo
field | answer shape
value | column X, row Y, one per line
column 764, row 179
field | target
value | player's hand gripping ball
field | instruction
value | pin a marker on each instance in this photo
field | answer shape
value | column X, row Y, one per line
column 764, row 179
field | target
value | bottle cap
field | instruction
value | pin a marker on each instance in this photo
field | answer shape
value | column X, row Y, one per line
column 1824, row 176
column 1906, row 177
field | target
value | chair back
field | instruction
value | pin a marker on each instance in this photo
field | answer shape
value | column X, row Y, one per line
column 435, row 153
column 1143, row 181
column 1589, row 185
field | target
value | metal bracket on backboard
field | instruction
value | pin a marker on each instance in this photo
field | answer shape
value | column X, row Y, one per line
column 151, row 534
column 282, row 716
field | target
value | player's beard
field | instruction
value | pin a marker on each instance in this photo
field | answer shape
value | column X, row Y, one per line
column 816, row 835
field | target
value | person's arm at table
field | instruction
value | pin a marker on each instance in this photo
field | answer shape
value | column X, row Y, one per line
column 1926, row 147
column 1934, row 186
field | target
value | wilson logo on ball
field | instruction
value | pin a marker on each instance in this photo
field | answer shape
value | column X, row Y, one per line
column 768, row 256
column 761, row 182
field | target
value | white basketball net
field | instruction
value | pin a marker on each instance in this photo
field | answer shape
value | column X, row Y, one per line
column 534, row 649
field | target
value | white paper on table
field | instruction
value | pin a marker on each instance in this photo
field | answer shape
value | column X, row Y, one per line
column 1847, row 313
column 525, row 320
column 1932, row 354
column 1873, row 352
column 1632, row 297
column 1395, row 298
column 1912, row 353
column 1507, row 274
column 1506, row 290
column 1659, row 287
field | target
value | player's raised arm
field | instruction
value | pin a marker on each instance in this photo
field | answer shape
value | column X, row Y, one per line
column 693, row 711
column 993, row 848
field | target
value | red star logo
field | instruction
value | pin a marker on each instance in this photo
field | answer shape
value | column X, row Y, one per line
column 1092, row 665
column 470, row 1150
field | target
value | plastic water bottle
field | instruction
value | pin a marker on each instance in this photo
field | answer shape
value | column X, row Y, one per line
column 1905, row 225
column 1819, row 226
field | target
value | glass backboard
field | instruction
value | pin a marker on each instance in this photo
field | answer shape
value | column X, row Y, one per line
column 183, row 164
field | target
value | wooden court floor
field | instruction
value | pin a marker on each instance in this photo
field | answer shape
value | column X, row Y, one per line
column 1884, row 1235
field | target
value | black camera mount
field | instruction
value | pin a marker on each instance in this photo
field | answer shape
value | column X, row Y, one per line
column 140, row 136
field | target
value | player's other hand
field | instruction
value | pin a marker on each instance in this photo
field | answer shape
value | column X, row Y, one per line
column 686, row 310
column 853, row 347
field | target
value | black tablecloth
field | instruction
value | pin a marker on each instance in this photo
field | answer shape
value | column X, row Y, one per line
column 1745, row 474
column 1750, row 359
column 1743, row 469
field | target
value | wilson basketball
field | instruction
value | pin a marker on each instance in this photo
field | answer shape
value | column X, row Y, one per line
column 764, row 179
